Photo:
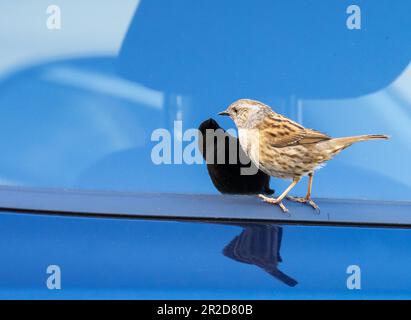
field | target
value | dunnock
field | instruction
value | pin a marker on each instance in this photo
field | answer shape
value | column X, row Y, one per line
column 283, row 148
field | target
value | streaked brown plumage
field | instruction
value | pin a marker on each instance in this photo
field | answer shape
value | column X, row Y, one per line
column 283, row 148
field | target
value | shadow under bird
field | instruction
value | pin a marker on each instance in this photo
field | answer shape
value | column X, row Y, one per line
column 283, row 148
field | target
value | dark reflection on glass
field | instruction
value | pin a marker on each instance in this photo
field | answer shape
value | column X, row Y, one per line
column 259, row 244
column 226, row 177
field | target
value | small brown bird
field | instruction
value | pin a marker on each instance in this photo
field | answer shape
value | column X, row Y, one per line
column 283, row 148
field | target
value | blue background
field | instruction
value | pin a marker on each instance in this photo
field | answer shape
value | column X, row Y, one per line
column 86, row 122
column 74, row 118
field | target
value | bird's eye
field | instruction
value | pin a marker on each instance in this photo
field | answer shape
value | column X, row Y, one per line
column 235, row 110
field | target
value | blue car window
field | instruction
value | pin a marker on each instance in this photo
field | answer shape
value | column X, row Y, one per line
column 81, row 105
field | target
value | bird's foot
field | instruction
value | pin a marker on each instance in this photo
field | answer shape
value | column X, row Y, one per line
column 273, row 201
column 297, row 199
column 308, row 201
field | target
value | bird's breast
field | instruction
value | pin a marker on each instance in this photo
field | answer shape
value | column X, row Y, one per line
column 250, row 143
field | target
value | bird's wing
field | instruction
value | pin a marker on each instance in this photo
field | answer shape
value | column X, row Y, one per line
column 283, row 132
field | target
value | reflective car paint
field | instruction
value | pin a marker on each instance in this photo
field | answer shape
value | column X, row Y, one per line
column 121, row 258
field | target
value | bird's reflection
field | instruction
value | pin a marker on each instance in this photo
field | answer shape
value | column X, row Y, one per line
column 227, row 177
column 259, row 244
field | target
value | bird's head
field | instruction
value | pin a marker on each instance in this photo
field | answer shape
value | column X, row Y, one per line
column 246, row 113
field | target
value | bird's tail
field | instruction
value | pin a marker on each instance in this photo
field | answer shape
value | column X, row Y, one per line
column 342, row 143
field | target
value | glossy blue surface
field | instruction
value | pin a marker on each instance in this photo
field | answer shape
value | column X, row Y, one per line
column 111, row 258
column 79, row 113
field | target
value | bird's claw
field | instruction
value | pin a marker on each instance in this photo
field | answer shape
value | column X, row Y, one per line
column 296, row 199
column 274, row 202
column 285, row 210
column 308, row 201
column 314, row 205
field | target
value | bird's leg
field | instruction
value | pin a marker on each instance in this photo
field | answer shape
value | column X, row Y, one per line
column 307, row 199
column 308, row 196
column 279, row 200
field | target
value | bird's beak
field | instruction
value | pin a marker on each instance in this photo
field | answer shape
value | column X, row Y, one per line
column 223, row 113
